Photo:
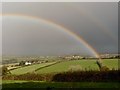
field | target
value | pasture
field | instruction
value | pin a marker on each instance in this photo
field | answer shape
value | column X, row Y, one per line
column 31, row 68
column 79, row 65
column 64, row 66
column 37, row 74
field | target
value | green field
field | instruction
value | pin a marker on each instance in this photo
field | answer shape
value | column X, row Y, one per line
column 78, row 65
column 112, row 63
column 54, row 85
column 66, row 66
column 28, row 69
column 53, row 67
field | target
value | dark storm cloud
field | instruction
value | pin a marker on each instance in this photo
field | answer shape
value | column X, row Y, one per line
column 95, row 22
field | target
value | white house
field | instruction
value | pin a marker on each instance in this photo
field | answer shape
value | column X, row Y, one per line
column 28, row 63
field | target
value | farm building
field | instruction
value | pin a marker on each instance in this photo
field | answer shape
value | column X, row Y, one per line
column 28, row 63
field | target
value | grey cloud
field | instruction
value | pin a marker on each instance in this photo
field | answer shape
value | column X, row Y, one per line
column 77, row 17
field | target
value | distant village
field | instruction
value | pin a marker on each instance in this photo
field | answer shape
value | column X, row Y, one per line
column 28, row 60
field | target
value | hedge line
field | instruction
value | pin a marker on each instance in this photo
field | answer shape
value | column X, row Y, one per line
column 92, row 76
column 77, row 76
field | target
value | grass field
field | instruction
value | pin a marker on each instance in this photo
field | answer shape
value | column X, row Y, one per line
column 66, row 66
column 61, row 67
column 78, row 65
column 28, row 69
column 111, row 63
column 54, row 85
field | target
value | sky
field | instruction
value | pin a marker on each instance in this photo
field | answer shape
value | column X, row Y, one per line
column 96, row 23
column 60, row 0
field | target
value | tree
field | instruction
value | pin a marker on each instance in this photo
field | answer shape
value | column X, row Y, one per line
column 99, row 64
column 22, row 63
column 101, row 67
column 5, row 70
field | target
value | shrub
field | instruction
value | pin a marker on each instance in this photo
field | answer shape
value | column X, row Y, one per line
column 104, row 68
column 74, row 76
column 22, row 63
column 29, row 76
column 5, row 70
column 101, row 67
column 92, row 76
column 99, row 64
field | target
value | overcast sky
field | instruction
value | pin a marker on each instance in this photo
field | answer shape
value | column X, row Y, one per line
column 96, row 23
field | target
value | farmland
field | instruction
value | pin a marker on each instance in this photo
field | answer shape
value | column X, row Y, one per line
column 65, row 66
column 43, row 75
column 31, row 68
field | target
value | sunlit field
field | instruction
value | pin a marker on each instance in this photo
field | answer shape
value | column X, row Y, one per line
column 32, row 68
column 66, row 66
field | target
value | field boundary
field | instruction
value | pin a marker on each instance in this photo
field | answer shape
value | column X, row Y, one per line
column 47, row 66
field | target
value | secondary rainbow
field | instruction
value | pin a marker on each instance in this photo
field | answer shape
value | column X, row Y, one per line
column 95, row 20
column 77, row 37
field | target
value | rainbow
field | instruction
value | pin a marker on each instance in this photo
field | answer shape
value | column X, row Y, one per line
column 94, row 19
column 64, row 29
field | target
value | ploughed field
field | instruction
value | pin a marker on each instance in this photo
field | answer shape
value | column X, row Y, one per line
column 63, row 66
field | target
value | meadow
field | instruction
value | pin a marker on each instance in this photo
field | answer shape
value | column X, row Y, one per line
column 64, row 66
column 53, row 75
column 31, row 68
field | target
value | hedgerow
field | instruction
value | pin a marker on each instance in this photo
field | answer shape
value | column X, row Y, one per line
column 71, row 76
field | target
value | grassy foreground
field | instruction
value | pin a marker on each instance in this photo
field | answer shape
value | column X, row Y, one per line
column 53, row 85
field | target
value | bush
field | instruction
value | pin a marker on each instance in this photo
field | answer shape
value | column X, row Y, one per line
column 101, row 67
column 29, row 76
column 104, row 68
column 74, row 76
column 22, row 63
column 99, row 64
column 83, row 76
column 5, row 70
